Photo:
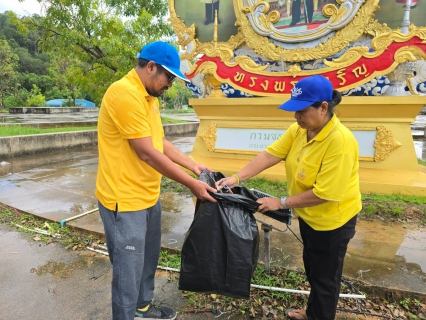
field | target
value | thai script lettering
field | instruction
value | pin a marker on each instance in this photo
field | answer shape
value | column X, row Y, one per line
column 279, row 86
column 258, row 146
column 269, row 83
column 239, row 77
column 362, row 70
column 265, row 136
column 341, row 74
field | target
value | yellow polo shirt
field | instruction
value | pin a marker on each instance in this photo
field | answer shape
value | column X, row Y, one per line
column 127, row 112
column 328, row 164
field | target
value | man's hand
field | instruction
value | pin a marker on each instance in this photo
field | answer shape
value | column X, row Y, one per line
column 200, row 188
column 198, row 168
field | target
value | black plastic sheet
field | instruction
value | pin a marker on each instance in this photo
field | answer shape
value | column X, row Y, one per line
column 221, row 247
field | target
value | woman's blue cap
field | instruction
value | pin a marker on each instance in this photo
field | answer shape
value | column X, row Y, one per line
column 163, row 54
column 308, row 91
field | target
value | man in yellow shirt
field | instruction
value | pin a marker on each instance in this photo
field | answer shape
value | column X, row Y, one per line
column 321, row 160
column 133, row 156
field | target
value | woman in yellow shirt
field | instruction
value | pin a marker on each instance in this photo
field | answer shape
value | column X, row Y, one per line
column 321, row 160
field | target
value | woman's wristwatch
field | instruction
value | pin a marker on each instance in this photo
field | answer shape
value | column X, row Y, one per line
column 283, row 199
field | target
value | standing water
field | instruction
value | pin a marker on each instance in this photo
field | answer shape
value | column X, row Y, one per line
column 61, row 184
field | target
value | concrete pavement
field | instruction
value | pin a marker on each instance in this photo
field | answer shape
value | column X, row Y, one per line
column 47, row 282
column 58, row 186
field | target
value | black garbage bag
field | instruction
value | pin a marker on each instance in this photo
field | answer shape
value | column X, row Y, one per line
column 221, row 247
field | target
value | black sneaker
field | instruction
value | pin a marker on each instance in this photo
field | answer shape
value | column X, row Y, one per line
column 156, row 312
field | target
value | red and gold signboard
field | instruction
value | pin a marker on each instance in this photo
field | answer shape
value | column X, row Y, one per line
column 354, row 74
column 264, row 47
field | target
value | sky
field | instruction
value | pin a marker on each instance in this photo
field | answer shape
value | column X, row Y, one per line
column 27, row 7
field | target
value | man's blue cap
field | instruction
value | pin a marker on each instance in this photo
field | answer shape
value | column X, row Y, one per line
column 163, row 54
column 308, row 91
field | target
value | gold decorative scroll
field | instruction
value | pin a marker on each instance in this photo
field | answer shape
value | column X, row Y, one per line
column 340, row 40
column 261, row 44
column 209, row 137
column 384, row 144
column 345, row 64
column 374, row 28
column 262, row 21
column 362, row 23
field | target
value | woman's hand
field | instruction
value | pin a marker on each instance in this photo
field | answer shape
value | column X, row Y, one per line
column 269, row 204
column 228, row 181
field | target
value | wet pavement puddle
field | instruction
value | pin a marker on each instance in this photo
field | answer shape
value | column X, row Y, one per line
column 392, row 254
column 62, row 184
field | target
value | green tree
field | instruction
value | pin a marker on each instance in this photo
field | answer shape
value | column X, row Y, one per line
column 18, row 99
column 69, row 77
column 27, row 80
column 55, row 92
column 36, row 99
column 33, row 64
column 104, row 35
column 37, row 63
column 8, row 78
column 177, row 95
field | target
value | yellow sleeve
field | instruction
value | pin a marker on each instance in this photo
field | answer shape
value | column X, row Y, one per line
column 129, row 112
column 282, row 146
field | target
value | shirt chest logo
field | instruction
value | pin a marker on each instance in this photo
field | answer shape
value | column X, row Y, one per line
column 301, row 175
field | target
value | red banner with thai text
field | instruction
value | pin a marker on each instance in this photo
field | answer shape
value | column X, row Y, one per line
column 346, row 78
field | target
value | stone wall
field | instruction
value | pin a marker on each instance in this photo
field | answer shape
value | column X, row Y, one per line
column 31, row 144
column 51, row 110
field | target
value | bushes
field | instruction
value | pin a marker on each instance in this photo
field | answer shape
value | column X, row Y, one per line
column 23, row 98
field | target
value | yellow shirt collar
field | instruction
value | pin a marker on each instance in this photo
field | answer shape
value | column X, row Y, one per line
column 135, row 79
column 328, row 128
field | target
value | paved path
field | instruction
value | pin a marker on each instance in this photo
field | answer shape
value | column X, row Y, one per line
column 60, row 186
column 49, row 282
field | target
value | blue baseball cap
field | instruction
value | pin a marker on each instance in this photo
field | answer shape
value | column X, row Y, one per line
column 308, row 91
column 163, row 54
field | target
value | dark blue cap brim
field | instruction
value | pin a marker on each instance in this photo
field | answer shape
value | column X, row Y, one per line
column 177, row 73
column 295, row 105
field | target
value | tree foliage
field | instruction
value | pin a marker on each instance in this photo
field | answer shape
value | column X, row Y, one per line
column 177, row 95
column 102, row 35
column 36, row 98
column 8, row 77
column 31, row 67
column 67, row 73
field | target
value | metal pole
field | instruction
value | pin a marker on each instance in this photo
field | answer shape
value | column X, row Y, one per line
column 62, row 223
column 406, row 21
column 266, row 239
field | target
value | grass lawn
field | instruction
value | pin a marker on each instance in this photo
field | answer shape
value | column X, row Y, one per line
column 402, row 208
column 173, row 111
column 11, row 130
column 8, row 131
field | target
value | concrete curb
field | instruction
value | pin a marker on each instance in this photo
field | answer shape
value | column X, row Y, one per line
column 37, row 143
column 49, row 125
column 31, row 144
column 179, row 129
column 51, row 110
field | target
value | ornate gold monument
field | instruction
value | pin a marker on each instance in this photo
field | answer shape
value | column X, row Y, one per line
column 244, row 56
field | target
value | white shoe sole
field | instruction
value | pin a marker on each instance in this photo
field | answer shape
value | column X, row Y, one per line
column 139, row 318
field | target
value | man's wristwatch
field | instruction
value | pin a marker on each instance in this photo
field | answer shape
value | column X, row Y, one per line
column 283, row 199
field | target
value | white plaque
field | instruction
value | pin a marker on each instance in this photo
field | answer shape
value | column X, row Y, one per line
column 257, row 140
column 246, row 139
